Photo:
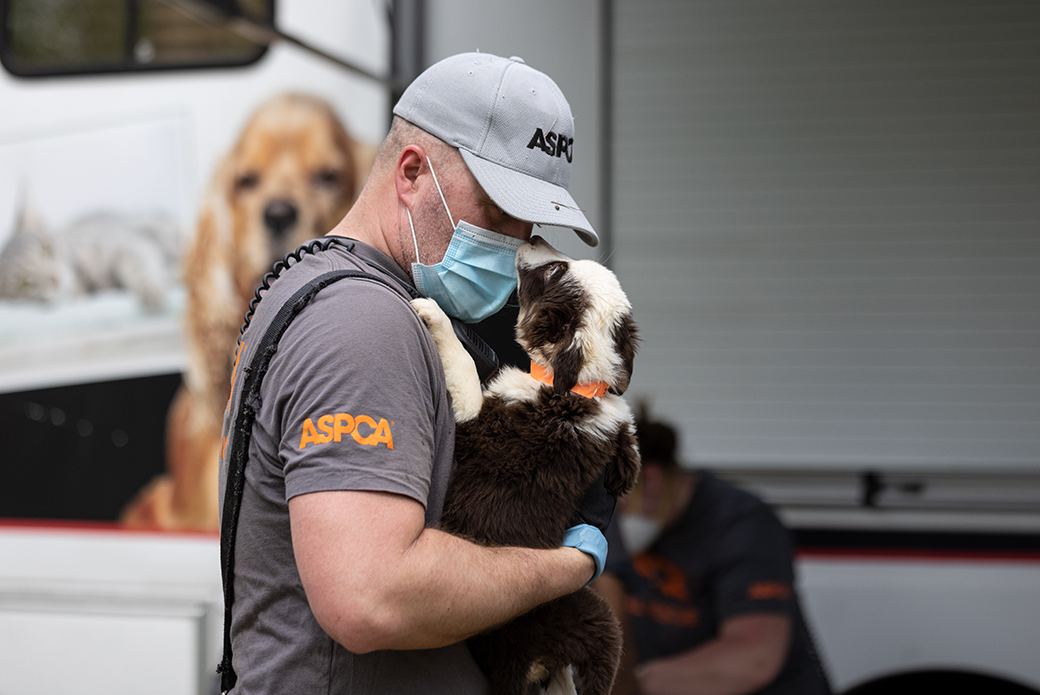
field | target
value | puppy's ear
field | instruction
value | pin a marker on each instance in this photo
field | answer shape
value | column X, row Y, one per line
column 626, row 340
column 567, row 366
column 214, row 308
column 623, row 470
column 212, row 241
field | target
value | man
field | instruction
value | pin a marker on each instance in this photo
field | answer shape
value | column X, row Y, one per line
column 342, row 582
column 701, row 575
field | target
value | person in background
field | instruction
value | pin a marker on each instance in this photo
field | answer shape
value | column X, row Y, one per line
column 701, row 575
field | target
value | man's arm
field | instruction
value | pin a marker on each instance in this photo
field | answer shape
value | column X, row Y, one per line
column 746, row 656
column 375, row 578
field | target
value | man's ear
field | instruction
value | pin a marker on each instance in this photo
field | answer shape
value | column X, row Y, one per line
column 410, row 165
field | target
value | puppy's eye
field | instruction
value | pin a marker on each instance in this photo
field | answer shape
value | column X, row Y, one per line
column 550, row 271
column 325, row 177
column 247, row 181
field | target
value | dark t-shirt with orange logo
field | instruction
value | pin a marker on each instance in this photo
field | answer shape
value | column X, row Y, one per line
column 727, row 555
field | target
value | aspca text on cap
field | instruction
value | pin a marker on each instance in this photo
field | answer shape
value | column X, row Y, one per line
column 552, row 144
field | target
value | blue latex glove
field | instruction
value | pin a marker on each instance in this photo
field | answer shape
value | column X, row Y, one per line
column 589, row 540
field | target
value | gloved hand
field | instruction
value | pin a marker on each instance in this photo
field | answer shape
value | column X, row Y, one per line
column 597, row 507
column 589, row 525
column 590, row 541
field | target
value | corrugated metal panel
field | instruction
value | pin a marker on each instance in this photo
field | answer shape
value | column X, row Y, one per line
column 828, row 218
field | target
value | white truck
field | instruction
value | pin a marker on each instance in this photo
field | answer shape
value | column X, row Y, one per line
column 826, row 217
column 127, row 128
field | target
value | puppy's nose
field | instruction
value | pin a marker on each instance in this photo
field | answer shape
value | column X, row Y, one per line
column 280, row 216
column 537, row 241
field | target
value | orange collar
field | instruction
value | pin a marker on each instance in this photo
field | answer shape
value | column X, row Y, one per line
column 593, row 389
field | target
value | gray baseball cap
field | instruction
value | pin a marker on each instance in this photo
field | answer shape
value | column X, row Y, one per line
column 513, row 127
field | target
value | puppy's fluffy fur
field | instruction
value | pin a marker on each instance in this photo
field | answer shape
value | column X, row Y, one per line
column 291, row 177
column 526, row 452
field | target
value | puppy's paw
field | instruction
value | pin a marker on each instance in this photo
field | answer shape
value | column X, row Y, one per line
column 562, row 683
column 460, row 374
column 432, row 315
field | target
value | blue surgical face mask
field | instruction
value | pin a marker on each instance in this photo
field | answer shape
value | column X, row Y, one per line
column 477, row 274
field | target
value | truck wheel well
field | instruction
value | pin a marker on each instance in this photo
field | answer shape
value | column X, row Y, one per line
column 940, row 683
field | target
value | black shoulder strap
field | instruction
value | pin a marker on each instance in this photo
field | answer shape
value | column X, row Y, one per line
column 249, row 404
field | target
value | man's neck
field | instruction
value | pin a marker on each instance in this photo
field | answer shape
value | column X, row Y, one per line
column 364, row 223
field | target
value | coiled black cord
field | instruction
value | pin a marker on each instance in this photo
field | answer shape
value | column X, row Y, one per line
column 291, row 259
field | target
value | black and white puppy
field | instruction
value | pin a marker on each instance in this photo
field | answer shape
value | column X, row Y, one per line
column 529, row 446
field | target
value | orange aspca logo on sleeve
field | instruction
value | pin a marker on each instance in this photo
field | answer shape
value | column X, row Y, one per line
column 332, row 427
column 761, row 591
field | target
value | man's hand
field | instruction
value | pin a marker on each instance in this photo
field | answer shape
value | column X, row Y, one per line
column 589, row 540
column 589, row 524
column 597, row 507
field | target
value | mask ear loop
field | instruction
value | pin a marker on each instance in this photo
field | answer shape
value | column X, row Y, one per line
column 435, row 181
column 414, row 240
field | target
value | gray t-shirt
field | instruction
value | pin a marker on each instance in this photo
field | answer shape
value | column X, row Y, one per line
column 354, row 400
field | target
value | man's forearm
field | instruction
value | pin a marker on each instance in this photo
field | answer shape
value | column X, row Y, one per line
column 377, row 579
column 449, row 589
column 746, row 657
column 713, row 669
